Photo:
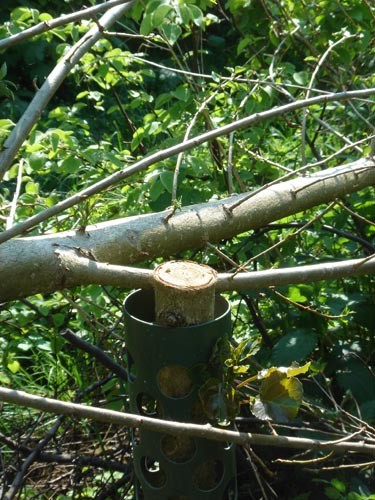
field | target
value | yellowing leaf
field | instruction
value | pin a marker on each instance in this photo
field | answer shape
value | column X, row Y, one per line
column 298, row 370
column 14, row 366
column 280, row 396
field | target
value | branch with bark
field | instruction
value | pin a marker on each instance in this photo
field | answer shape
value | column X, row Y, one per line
column 52, row 262
column 29, row 118
column 175, row 428
column 44, row 26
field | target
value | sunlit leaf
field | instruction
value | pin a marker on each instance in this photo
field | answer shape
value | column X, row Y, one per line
column 279, row 398
column 172, row 32
column 14, row 366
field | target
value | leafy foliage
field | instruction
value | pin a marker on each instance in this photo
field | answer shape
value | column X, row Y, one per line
column 197, row 65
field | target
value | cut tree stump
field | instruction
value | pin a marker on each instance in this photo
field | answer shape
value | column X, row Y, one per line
column 184, row 296
column 184, row 293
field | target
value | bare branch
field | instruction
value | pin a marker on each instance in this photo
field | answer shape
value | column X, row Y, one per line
column 21, row 398
column 301, row 274
column 143, row 164
column 52, row 83
column 55, row 23
column 41, row 264
column 129, row 277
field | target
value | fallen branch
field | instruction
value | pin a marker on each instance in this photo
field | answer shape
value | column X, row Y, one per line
column 21, row 398
column 53, row 262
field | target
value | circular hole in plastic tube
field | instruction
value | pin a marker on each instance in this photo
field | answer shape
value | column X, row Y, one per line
column 147, row 405
column 178, row 449
column 153, row 473
column 208, row 475
column 174, row 381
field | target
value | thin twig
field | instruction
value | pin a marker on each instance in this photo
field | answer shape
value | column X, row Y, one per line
column 287, row 238
column 13, row 206
column 18, row 480
column 101, row 356
column 255, row 471
column 313, row 76
column 342, row 466
column 186, row 137
column 355, row 214
column 290, row 174
column 308, row 308
column 304, row 462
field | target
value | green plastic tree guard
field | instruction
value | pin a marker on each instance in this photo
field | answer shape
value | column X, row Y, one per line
column 171, row 467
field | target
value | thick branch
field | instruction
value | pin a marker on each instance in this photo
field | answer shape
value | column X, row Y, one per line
column 52, row 83
column 143, row 164
column 44, row 26
column 48, row 263
column 200, row 431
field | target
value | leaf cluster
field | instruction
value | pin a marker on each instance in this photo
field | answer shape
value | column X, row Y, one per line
column 191, row 67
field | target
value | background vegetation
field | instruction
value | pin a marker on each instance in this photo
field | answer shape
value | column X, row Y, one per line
column 168, row 66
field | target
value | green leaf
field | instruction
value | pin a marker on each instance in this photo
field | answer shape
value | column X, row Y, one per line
column 295, row 346
column 182, row 93
column 71, row 165
column 4, row 379
column 197, row 16
column 184, row 13
column 24, row 346
column 37, row 161
column 146, row 25
column 172, row 32
column 156, row 190
column 21, row 14
column 3, row 70
column 355, row 377
column 14, row 366
column 44, row 16
column 159, row 15
column 302, row 77
column 6, row 124
column 54, row 141
column 295, row 294
column 332, row 493
column 32, row 188
column 167, row 180
column 298, row 370
column 368, row 411
column 339, row 485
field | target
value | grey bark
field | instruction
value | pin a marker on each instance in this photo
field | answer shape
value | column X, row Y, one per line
column 21, row 398
column 35, row 264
